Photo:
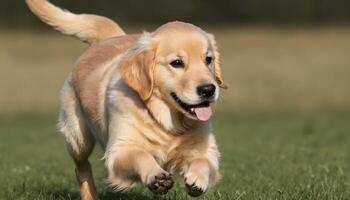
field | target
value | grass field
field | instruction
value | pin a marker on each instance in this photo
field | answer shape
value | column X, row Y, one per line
column 283, row 128
column 263, row 157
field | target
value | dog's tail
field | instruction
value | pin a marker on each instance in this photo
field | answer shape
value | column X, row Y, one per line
column 88, row 28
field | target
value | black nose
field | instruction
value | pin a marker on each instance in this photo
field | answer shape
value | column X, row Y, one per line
column 206, row 90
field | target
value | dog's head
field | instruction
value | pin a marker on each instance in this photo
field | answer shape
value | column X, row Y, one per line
column 180, row 64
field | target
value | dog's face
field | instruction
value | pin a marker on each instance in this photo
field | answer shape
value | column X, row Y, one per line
column 182, row 65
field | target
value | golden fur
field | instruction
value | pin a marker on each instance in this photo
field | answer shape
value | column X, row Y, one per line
column 118, row 94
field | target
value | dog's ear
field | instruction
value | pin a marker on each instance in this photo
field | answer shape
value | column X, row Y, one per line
column 137, row 71
column 218, row 72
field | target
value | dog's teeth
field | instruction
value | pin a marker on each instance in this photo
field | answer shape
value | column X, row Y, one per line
column 185, row 106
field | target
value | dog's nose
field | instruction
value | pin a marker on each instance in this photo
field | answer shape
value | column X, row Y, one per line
column 206, row 90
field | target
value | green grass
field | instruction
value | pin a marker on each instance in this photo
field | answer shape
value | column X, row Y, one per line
column 264, row 156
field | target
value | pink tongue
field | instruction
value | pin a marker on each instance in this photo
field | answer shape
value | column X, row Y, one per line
column 203, row 113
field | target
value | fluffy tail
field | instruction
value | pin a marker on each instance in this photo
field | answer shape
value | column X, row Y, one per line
column 88, row 28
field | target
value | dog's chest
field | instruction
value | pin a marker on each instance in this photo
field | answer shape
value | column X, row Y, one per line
column 173, row 153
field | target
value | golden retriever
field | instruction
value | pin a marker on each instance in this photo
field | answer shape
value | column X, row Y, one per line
column 145, row 98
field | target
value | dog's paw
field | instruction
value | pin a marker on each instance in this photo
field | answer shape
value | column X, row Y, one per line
column 160, row 184
column 193, row 190
column 196, row 185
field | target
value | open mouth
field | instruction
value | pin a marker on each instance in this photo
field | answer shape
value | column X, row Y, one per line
column 201, row 111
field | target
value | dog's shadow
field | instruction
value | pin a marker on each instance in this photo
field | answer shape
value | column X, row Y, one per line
column 107, row 195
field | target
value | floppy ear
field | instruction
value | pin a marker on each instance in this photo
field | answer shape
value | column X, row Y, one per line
column 137, row 71
column 218, row 73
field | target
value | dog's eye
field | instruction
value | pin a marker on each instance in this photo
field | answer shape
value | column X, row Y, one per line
column 208, row 60
column 177, row 63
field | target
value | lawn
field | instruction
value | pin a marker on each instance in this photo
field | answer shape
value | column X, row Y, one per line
column 264, row 156
column 283, row 127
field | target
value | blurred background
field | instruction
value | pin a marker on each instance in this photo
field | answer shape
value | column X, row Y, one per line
column 276, row 54
column 283, row 124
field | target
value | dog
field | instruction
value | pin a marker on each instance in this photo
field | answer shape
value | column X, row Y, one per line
column 146, row 99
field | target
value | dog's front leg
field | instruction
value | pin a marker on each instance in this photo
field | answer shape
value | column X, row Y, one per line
column 139, row 163
column 199, row 176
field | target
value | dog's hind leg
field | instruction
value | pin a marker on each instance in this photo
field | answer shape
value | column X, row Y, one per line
column 80, row 142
